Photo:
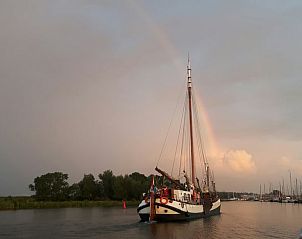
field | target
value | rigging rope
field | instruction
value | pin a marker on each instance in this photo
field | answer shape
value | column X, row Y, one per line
column 201, row 140
column 182, row 118
column 183, row 137
column 165, row 141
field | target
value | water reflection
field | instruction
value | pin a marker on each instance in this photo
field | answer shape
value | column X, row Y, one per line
column 203, row 228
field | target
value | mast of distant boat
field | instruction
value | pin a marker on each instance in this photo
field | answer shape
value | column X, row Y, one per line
column 290, row 182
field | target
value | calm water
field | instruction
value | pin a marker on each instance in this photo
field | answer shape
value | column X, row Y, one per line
column 238, row 220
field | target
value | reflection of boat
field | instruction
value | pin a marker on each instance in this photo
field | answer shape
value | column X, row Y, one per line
column 183, row 197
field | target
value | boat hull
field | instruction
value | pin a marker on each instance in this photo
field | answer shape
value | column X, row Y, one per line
column 177, row 211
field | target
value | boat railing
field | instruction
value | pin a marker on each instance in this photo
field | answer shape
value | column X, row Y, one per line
column 184, row 198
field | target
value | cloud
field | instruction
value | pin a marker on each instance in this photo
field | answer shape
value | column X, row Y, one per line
column 239, row 161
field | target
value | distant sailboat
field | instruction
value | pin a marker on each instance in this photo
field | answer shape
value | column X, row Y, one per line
column 233, row 198
column 188, row 199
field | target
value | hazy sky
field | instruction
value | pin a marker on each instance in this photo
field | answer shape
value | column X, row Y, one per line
column 87, row 86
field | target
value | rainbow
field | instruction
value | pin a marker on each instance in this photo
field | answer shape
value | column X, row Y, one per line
column 167, row 45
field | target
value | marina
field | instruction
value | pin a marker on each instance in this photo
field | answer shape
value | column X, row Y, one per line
column 290, row 192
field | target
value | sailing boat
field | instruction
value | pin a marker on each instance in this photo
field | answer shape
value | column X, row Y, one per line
column 233, row 198
column 175, row 200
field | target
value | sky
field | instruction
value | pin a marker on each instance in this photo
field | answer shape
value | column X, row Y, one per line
column 91, row 85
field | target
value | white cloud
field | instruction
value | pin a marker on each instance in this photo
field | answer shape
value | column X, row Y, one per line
column 239, row 161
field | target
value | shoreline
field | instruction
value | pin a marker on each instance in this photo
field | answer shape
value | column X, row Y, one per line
column 18, row 203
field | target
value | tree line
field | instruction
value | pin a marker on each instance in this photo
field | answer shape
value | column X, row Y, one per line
column 55, row 187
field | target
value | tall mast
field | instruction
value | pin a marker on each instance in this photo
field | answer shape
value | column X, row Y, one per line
column 283, row 190
column 300, row 190
column 291, row 187
column 297, row 193
column 190, row 119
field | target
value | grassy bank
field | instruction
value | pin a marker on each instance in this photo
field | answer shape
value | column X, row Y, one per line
column 14, row 203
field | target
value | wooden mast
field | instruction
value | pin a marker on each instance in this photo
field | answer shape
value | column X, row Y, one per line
column 152, row 201
column 191, row 120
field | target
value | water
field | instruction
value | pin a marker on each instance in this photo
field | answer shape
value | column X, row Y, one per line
column 238, row 220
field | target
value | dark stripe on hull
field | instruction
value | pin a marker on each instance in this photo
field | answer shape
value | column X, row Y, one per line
column 169, row 207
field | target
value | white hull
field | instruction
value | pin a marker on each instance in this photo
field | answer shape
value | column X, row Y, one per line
column 176, row 210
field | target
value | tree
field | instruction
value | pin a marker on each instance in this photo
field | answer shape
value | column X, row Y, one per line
column 139, row 184
column 88, row 187
column 107, row 180
column 51, row 186
column 54, row 186
column 75, row 192
column 138, row 177
column 120, row 191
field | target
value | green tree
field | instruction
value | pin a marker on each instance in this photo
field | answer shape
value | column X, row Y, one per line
column 119, row 189
column 75, row 192
column 107, row 180
column 130, row 187
column 139, row 184
column 51, row 186
column 88, row 187
column 138, row 177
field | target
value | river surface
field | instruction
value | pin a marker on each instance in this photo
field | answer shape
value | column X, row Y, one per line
column 237, row 220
